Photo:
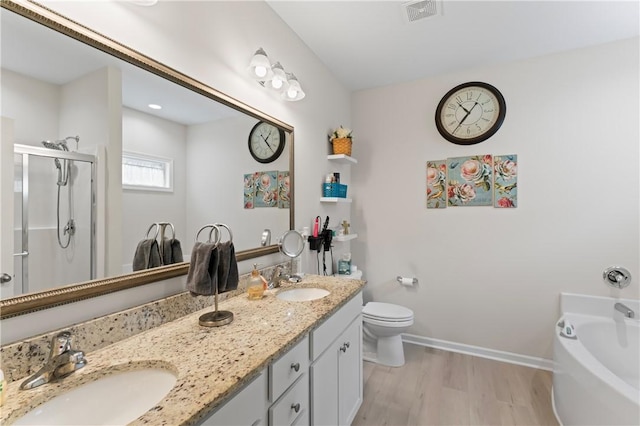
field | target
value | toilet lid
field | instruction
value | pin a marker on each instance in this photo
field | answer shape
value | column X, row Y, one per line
column 386, row 310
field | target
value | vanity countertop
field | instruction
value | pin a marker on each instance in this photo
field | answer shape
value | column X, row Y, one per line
column 211, row 364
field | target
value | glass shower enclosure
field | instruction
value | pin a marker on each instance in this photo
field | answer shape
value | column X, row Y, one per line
column 54, row 218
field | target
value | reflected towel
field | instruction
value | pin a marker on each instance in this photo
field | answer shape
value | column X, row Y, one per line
column 147, row 255
column 227, row 267
column 202, row 278
column 171, row 251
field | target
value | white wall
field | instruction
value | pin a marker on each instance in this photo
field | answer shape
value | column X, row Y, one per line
column 213, row 42
column 146, row 134
column 492, row 277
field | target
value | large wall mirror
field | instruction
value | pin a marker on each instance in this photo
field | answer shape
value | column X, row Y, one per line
column 75, row 109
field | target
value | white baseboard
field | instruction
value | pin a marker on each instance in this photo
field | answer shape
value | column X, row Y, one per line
column 510, row 357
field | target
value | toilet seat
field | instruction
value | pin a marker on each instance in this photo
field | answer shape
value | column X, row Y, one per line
column 386, row 312
column 388, row 323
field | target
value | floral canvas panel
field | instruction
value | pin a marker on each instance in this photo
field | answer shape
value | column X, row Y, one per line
column 470, row 181
column 266, row 185
column 284, row 190
column 249, row 189
column 437, row 184
column 505, row 169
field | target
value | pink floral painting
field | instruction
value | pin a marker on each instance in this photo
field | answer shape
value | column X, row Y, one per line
column 284, row 190
column 266, row 184
column 505, row 170
column 470, row 181
column 437, row 184
column 249, row 189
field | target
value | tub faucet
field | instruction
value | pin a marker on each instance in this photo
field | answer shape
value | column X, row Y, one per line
column 63, row 360
column 626, row 311
column 277, row 276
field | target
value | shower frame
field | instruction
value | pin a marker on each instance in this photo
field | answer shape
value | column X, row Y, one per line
column 25, row 151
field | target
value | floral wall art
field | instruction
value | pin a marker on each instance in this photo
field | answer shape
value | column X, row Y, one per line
column 267, row 189
column 436, row 184
column 478, row 180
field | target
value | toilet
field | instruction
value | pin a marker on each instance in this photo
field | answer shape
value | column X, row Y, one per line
column 383, row 323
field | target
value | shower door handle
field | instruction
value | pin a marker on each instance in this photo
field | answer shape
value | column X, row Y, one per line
column 24, row 253
column 5, row 278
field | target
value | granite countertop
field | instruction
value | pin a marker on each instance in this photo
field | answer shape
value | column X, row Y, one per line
column 211, row 364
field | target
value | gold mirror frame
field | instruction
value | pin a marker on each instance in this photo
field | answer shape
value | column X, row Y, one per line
column 71, row 293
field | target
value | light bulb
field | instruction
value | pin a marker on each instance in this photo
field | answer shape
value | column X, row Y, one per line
column 260, row 71
column 276, row 83
column 292, row 93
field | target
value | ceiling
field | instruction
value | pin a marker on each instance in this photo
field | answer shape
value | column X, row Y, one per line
column 368, row 44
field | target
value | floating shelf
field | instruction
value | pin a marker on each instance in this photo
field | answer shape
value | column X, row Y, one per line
column 342, row 158
column 347, row 237
column 335, row 200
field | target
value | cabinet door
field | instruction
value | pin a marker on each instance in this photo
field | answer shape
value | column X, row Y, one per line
column 248, row 407
column 324, row 388
column 350, row 372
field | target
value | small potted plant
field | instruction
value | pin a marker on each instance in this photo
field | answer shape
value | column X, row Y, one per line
column 341, row 140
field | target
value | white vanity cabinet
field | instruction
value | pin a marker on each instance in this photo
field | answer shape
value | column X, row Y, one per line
column 318, row 381
column 336, row 367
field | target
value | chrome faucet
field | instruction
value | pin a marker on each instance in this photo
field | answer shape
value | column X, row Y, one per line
column 626, row 311
column 277, row 276
column 63, row 360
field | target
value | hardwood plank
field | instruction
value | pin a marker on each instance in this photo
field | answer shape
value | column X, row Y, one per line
column 437, row 387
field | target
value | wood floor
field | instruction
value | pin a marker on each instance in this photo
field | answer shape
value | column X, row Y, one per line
column 436, row 387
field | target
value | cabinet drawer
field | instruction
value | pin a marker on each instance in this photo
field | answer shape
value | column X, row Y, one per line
column 292, row 406
column 322, row 336
column 288, row 369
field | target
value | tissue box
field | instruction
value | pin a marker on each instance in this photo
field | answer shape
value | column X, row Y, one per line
column 334, row 190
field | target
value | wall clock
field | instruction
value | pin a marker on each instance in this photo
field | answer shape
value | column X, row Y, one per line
column 470, row 113
column 266, row 142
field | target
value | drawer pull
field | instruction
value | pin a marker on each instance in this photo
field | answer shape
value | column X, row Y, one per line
column 295, row 407
column 343, row 348
column 295, row 367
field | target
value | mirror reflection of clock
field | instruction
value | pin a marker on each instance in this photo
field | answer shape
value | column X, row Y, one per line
column 266, row 142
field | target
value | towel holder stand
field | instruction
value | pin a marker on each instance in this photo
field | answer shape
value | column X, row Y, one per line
column 216, row 318
column 161, row 228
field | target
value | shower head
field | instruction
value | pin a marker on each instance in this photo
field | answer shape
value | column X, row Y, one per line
column 57, row 145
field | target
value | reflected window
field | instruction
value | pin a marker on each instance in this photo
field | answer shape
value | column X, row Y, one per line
column 146, row 172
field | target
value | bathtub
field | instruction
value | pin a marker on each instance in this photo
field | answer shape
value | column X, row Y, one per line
column 596, row 375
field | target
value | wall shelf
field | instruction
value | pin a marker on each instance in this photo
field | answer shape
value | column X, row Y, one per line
column 342, row 158
column 335, row 200
column 347, row 237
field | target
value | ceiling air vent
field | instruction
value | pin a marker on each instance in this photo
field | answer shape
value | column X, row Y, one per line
column 421, row 9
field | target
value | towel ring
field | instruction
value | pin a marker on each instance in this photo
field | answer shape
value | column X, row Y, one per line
column 214, row 227
column 169, row 224
column 157, row 231
column 225, row 227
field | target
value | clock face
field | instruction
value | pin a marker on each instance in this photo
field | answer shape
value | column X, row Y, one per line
column 266, row 142
column 470, row 113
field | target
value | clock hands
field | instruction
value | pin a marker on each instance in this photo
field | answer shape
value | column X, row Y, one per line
column 465, row 117
column 267, row 142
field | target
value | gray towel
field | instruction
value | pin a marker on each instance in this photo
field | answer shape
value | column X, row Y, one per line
column 202, row 278
column 147, row 255
column 227, row 267
column 171, row 251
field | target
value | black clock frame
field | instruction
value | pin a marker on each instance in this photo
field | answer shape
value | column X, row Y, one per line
column 276, row 154
column 490, row 132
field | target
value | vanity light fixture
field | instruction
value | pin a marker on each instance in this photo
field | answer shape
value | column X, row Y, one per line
column 275, row 77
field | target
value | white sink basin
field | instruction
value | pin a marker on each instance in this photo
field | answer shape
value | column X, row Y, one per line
column 302, row 294
column 116, row 399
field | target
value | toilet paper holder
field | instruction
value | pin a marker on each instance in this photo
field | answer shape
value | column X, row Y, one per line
column 407, row 281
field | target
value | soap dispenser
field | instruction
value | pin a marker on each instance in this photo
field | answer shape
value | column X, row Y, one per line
column 255, row 289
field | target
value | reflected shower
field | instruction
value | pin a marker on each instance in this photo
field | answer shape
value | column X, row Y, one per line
column 64, row 171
